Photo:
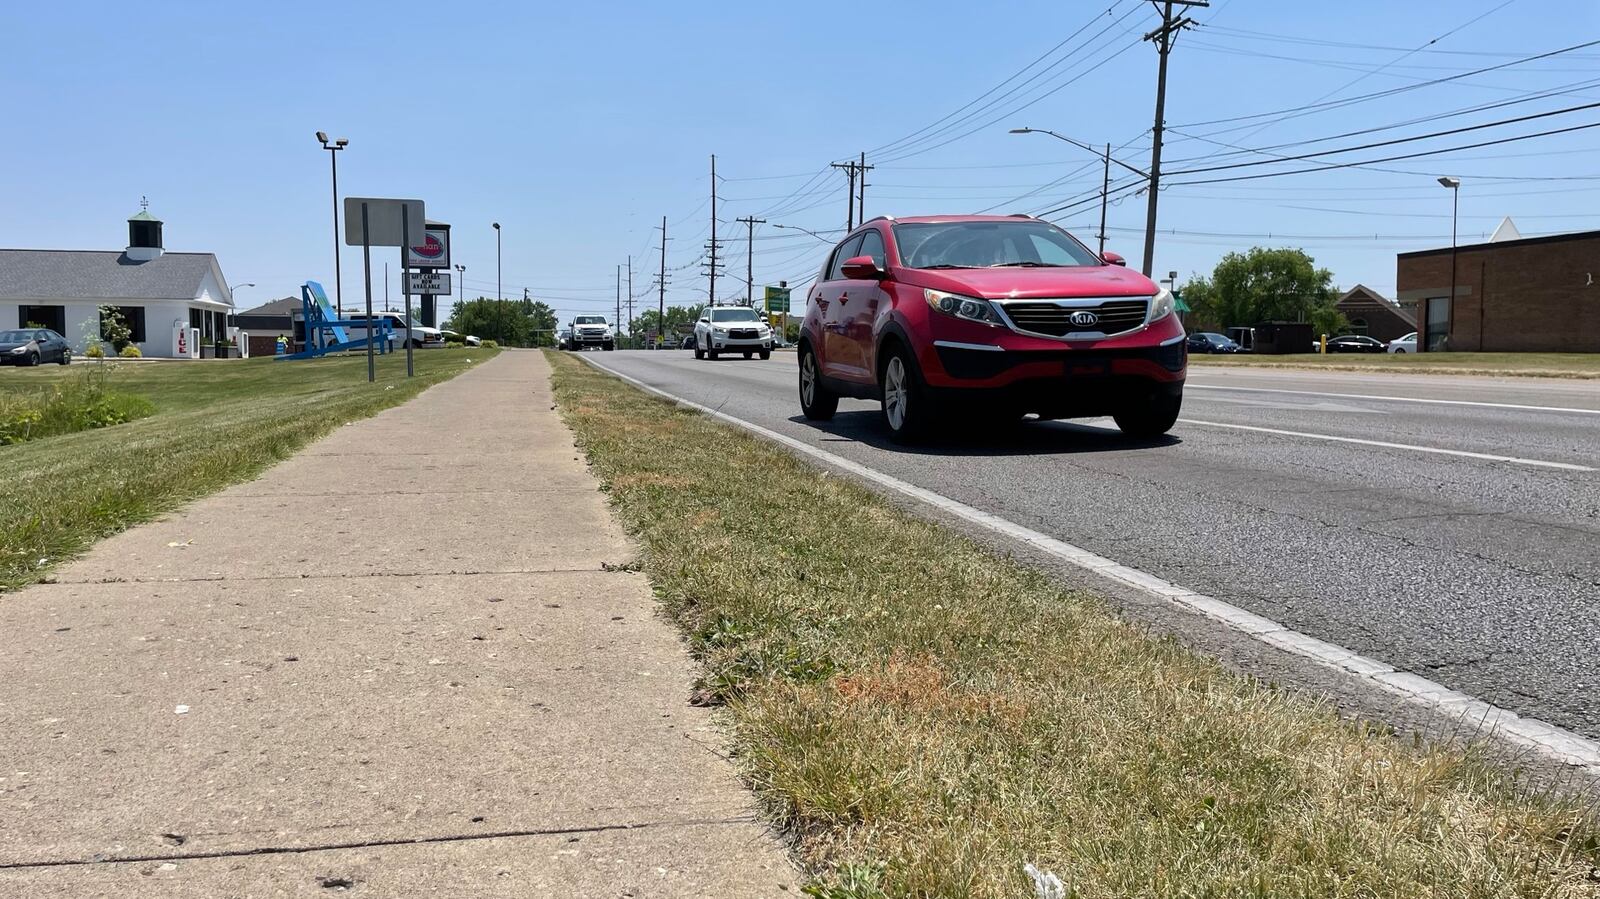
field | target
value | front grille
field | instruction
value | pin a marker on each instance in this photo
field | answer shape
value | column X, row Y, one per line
column 1114, row 317
column 742, row 333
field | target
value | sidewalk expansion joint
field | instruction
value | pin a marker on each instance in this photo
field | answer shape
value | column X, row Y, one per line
column 739, row 821
column 624, row 567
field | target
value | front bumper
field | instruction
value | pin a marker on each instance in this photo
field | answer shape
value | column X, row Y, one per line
column 740, row 343
column 1060, row 383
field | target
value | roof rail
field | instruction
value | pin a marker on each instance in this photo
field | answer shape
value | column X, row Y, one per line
column 1020, row 215
column 878, row 218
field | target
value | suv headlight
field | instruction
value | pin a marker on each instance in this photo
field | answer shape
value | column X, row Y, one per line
column 969, row 308
column 1161, row 306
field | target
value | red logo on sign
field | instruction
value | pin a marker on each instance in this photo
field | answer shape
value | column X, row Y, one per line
column 432, row 248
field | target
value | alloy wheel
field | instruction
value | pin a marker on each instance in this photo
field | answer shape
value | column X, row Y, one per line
column 894, row 393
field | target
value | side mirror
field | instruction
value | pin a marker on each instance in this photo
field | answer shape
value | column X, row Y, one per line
column 863, row 268
column 1113, row 258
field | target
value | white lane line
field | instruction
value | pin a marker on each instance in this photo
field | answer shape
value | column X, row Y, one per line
column 1395, row 399
column 1553, row 742
column 1490, row 457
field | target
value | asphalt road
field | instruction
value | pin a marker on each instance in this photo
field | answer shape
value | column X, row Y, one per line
column 1274, row 493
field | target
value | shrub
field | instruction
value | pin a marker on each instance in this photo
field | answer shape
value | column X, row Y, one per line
column 115, row 329
column 95, row 351
column 130, row 352
column 489, row 344
column 454, row 344
column 69, row 406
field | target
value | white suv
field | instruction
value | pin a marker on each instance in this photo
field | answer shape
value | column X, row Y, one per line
column 731, row 329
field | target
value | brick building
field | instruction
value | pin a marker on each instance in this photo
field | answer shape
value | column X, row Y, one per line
column 1375, row 315
column 1535, row 294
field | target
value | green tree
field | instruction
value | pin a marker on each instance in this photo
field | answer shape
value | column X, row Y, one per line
column 1264, row 285
column 509, row 322
column 677, row 317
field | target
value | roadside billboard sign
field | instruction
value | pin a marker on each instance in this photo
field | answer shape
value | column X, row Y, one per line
column 434, row 249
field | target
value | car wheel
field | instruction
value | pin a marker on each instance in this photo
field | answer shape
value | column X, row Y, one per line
column 906, row 410
column 817, row 402
column 749, row 353
column 698, row 353
column 610, row 347
column 766, row 354
column 1153, row 416
column 66, row 358
column 1400, row 351
column 33, row 358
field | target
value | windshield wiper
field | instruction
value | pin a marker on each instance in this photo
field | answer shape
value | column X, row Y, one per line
column 947, row 265
column 1026, row 265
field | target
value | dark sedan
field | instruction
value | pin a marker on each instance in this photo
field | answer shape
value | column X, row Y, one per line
column 1356, row 343
column 31, row 346
column 1207, row 342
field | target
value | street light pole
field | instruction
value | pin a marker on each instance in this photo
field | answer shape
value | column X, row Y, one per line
column 461, row 286
column 333, row 157
column 499, row 300
column 1105, row 184
column 1455, row 207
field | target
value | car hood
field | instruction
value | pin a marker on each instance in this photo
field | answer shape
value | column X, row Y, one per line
column 1034, row 283
column 8, row 346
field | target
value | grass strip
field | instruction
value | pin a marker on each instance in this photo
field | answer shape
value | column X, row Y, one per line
column 1495, row 365
column 214, row 424
column 924, row 716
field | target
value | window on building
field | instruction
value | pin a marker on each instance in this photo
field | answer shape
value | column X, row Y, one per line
column 52, row 317
column 1358, row 326
column 133, row 317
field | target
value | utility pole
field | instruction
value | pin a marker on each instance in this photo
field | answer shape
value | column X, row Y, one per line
column 713, row 248
column 1105, row 192
column 850, row 196
column 1163, row 38
column 661, row 288
column 619, row 296
column 750, row 258
column 630, row 295
column 861, row 191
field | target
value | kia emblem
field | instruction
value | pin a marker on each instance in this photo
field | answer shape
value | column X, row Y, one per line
column 1084, row 318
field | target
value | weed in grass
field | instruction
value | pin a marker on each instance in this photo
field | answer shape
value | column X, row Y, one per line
column 923, row 716
column 76, row 404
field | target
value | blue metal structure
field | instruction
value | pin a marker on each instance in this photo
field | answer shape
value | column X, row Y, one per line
column 325, row 330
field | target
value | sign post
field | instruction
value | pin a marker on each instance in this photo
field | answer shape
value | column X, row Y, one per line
column 384, row 223
column 778, row 304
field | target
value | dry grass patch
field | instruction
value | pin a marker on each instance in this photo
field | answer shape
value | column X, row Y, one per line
column 925, row 716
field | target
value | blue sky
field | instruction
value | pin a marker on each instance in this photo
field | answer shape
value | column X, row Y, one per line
column 578, row 126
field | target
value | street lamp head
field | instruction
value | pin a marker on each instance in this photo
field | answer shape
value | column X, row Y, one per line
column 497, row 226
column 322, row 136
column 1450, row 182
column 342, row 142
column 1021, row 130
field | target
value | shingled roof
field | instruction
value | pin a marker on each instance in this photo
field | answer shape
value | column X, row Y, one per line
column 103, row 275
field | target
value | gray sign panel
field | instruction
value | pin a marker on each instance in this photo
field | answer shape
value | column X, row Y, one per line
column 384, row 223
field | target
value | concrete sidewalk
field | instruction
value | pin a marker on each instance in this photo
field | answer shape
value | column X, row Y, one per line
column 404, row 663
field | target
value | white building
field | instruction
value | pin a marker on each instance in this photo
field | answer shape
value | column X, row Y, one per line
column 173, row 302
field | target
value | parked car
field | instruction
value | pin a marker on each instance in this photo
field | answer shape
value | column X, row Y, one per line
column 421, row 335
column 31, row 346
column 1209, row 342
column 731, row 329
column 564, row 339
column 1355, row 343
column 591, row 330
column 688, row 342
column 465, row 339
column 951, row 316
column 1406, row 344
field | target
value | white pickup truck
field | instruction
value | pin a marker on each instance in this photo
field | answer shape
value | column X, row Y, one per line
column 421, row 335
column 591, row 330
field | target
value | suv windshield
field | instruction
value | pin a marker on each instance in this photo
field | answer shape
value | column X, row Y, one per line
column 733, row 314
column 590, row 320
column 1022, row 243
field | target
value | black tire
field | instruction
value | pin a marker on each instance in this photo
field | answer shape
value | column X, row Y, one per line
column 1152, row 417
column 33, row 358
column 749, row 353
column 906, row 411
column 766, row 354
column 610, row 346
column 1399, row 352
column 698, row 353
column 710, row 353
column 66, row 358
column 817, row 402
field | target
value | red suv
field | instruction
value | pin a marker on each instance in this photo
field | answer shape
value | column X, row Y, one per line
column 988, row 315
